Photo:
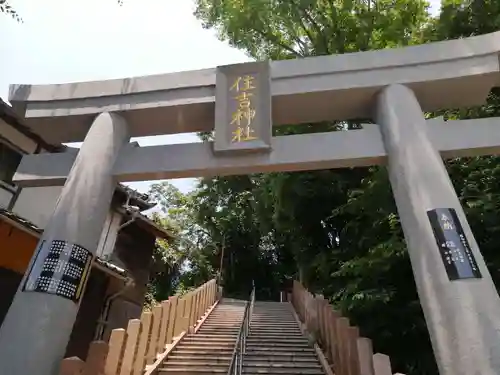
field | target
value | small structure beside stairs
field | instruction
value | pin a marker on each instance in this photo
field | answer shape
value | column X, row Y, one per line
column 117, row 282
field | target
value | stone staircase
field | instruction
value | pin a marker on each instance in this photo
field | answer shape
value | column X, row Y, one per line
column 276, row 345
column 209, row 351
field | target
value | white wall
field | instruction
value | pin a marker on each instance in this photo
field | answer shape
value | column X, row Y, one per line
column 109, row 234
column 22, row 142
column 5, row 197
column 37, row 204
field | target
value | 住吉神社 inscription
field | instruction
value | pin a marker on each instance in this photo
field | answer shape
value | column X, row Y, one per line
column 242, row 117
column 63, row 272
column 454, row 248
column 243, row 108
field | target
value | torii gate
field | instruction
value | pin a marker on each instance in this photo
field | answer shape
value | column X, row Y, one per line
column 242, row 102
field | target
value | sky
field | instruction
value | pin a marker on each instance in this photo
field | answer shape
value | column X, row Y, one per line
column 83, row 40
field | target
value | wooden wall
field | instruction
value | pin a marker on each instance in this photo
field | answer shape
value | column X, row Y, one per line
column 16, row 247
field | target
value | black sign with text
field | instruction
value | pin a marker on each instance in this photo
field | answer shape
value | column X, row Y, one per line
column 456, row 253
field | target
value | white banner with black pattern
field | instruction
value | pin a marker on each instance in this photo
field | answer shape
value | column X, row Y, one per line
column 63, row 271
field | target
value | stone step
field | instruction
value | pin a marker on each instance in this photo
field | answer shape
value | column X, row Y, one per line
column 188, row 364
column 219, row 335
column 287, row 315
column 273, row 344
column 195, row 341
column 196, row 356
column 287, row 371
column 284, row 365
column 221, row 325
column 271, row 334
column 204, row 344
column 202, row 352
column 228, row 313
column 209, row 331
column 279, row 357
column 223, row 321
column 274, row 330
column 255, row 328
column 283, row 339
column 201, row 348
column 215, row 333
column 271, row 312
column 211, row 337
column 283, row 349
column 191, row 370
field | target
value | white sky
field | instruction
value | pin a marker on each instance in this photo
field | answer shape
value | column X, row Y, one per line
column 81, row 40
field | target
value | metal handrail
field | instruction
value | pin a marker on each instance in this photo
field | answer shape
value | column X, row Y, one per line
column 236, row 366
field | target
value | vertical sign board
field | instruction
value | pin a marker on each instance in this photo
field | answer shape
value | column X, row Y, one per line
column 457, row 256
column 243, row 108
column 62, row 270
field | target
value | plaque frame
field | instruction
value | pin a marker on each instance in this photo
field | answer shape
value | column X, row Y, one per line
column 454, row 248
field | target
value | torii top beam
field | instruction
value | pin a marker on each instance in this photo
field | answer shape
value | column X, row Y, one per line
column 446, row 74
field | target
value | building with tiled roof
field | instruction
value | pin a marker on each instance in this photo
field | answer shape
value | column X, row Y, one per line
column 117, row 284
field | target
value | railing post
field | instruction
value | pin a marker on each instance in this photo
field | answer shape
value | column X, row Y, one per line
column 140, row 361
column 172, row 319
column 155, row 330
column 162, row 339
column 115, row 352
column 133, row 330
column 381, row 364
column 365, row 355
column 71, row 366
column 96, row 358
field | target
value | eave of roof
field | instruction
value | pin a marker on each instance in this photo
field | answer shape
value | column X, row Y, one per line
column 10, row 117
column 36, row 231
column 147, row 224
column 136, row 198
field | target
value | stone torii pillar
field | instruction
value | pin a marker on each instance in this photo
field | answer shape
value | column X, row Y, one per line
column 36, row 330
column 460, row 302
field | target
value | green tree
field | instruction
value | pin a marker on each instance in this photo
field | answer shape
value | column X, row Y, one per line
column 336, row 230
column 7, row 9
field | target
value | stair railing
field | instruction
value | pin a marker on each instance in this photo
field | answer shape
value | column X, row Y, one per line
column 340, row 342
column 146, row 341
column 236, row 366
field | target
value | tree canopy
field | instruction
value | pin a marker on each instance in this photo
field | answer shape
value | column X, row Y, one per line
column 338, row 231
